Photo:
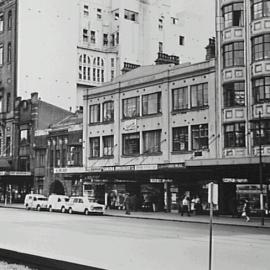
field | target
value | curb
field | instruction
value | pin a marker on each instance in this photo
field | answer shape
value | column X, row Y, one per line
column 42, row 263
column 249, row 225
column 190, row 221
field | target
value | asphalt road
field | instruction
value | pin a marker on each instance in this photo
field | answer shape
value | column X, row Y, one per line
column 125, row 244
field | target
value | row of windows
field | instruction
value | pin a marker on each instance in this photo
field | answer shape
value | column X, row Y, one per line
column 233, row 53
column 150, row 104
column 234, row 134
column 114, row 38
column 2, row 21
column 86, row 11
column 234, row 93
column 151, row 142
column 234, row 16
column 85, row 59
column 85, row 74
column 8, row 56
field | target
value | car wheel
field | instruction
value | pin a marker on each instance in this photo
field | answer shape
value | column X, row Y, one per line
column 70, row 210
column 86, row 212
column 38, row 208
column 50, row 209
column 27, row 207
column 63, row 210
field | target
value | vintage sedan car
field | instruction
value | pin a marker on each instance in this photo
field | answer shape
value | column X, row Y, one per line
column 35, row 201
column 85, row 205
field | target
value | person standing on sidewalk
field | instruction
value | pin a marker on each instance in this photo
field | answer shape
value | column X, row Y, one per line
column 185, row 206
column 246, row 211
column 127, row 204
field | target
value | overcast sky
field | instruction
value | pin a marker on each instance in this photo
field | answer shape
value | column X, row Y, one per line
column 198, row 20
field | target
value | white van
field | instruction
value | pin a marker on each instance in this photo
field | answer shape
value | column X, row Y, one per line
column 35, row 201
column 57, row 203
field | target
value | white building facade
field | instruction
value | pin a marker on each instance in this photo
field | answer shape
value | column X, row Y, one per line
column 118, row 35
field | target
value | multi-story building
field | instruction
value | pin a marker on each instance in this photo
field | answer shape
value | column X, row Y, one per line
column 140, row 130
column 243, row 76
column 8, row 76
column 29, row 116
column 58, row 152
column 116, row 36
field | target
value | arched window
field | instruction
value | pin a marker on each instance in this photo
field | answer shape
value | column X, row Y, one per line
column 95, row 60
column 88, row 60
column 84, row 67
column 102, row 62
column 80, row 59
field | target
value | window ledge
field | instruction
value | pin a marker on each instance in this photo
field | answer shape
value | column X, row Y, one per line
column 152, row 154
column 151, row 115
column 108, row 157
column 181, row 152
column 130, row 118
column 107, row 122
column 234, row 107
column 193, row 109
column 130, row 156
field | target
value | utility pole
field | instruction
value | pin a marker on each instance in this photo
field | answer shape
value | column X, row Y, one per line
column 261, row 171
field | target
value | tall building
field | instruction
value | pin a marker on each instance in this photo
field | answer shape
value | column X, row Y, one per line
column 243, row 83
column 117, row 36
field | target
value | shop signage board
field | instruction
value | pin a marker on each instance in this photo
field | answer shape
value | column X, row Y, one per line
column 234, row 180
column 15, row 173
column 70, row 170
column 125, row 168
column 157, row 180
column 108, row 169
column 145, row 167
column 130, row 125
column 171, row 166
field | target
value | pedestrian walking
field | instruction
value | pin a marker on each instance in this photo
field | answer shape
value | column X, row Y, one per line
column 246, row 210
column 185, row 206
column 127, row 204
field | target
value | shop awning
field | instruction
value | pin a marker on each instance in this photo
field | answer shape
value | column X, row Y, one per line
column 4, row 164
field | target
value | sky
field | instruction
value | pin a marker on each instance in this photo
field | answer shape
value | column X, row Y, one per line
column 197, row 17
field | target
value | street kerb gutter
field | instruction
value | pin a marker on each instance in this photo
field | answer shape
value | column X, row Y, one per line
column 41, row 263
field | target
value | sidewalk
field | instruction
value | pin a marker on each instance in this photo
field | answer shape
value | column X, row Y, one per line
column 176, row 217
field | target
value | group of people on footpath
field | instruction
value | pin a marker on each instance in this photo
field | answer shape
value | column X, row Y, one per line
column 190, row 206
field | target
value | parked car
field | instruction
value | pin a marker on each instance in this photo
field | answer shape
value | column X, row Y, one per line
column 35, row 201
column 85, row 205
column 57, row 203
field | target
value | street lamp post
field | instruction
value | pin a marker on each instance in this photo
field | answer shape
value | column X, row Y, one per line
column 261, row 171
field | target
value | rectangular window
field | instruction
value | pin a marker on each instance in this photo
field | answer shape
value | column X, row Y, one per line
column 94, row 113
column 105, row 40
column 85, row 10
column 112, row 75
column 9, row 53
column 112, row 62
column 131, row 144
column 234, row 135
column 234, row 94
column 260, row 8
column 199, row 134
column 98, row 74
column 93, row 36
column 1, row 54
column 94, row 74
column 102, row 75
column 233, row 15
column 131, row 15
column 261, row 90
column 233, row 54
column 160, row 24
column 261, row 47
column 80, row 72
column 181, row 40
column 180, row 98
column 115, row 14
column 94, row 147
column 151, row 141
column 174, row 20
column 180, row 139
column 151, row 104
column 8, row 146
column 1, row 21
column 85, row 35
column 8, row 102
column 199, row 95
column 108, row 146
column 24, row 136
column 108, row 111
column 160, row 47
column 265, row 133
column 99, row 13
column 131, row 107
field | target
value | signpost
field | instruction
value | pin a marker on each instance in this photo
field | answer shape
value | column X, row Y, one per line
column 212, row 199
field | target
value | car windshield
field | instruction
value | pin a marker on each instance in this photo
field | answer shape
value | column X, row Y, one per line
column 42, row 199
